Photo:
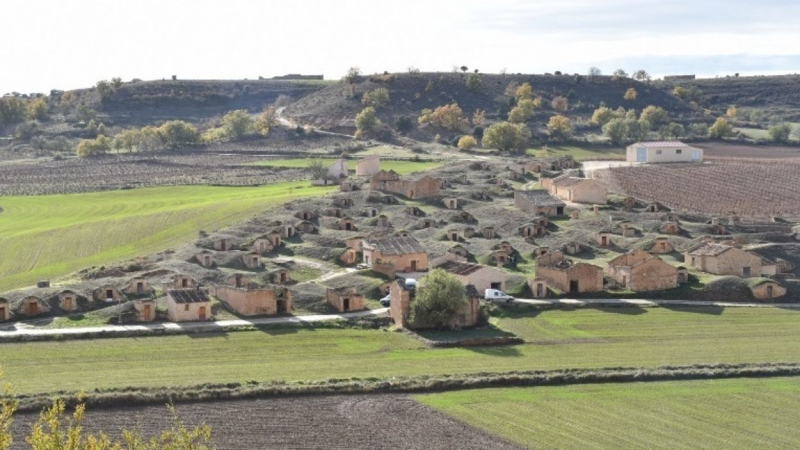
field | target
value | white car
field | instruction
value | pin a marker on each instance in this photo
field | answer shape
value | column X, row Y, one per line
column 385, row 301
column 497, row 296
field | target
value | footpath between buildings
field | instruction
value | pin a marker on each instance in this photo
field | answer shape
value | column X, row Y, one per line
column 25, row 334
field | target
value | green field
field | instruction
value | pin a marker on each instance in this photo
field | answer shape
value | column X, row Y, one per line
column 401, row 167
column 578, row 153
column 53, row 235
column 708, row 414
column 584, row 338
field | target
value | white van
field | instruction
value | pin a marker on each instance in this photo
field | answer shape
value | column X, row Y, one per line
column 496, row 295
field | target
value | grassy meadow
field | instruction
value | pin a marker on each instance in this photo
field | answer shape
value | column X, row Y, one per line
column 585, row 338
column 401, row 167
column 578, row 153
column 708, row 414
column 53, row 235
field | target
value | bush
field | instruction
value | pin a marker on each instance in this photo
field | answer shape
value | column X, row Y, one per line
column 439, row 298
column 376, row 98
column 366, row 120
column 699, row 129
column 403, row 124
column 450, row 117
column 473, row 82
column 621, row 131
column 12, row 110
column 522, row 112
column 177, row 133
column 560, row 104
column 467, row 142
column 93, row 147
column 37, row 109
column 237, row 124
column 655, row 116
column 780, row 132
column 630, row 94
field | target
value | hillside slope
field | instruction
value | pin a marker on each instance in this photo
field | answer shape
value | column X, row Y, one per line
column 336, row 106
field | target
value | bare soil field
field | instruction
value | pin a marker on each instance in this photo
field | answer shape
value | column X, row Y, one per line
column 332, row 422
column 715, row 150
column 745, row 187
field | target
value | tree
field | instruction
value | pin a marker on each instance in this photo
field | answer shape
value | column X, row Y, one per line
column 692, row 94
column 93, row 147
column 641, row 75
column 671, row 131
column 403, row 124
column 104, row 88
column 506, row 136
column 317, row 169
column 630, row 94
column 619, row 74
column 511, row 89
column 780, row 132
column 85, row 113
column 353, row 75
column 655, row 116
column 522, row 112
column 265, row 121
column 594, row 72
column 473, row 82
column 124, row 140
column 464, row 69
column 559, row 127
column 732, row 112
column 467, row 142
column 450, row 117
column 603, row 115
column 12, row 110
column 237, row 124
column 366, row 120
column 37, row 109
column 177, row 133
column 439, row 298
column 720, row 129
column 478, row 118
column 376, row 98
column 560, row 103
column 523, row 92
column 623, row 130
column 699, row 129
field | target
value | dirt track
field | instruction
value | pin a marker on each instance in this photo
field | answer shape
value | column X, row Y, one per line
column 333, row 422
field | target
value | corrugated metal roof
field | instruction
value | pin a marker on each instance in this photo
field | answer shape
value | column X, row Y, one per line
column 188, row 296
column 660, row 144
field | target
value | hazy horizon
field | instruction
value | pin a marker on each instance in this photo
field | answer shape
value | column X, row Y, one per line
column 84, row 41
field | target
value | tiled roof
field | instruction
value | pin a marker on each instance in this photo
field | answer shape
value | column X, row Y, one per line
column 188, row 296
column 660, row 144
column 540, row 198
column 459, row 268
column 710, row 250
column 397, row 245
column 471, row 291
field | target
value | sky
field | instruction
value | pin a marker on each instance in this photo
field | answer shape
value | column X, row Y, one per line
column 68, row 44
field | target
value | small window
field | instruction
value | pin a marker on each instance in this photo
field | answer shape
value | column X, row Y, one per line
column 678, row 151
column 658, row 152
column 186, row 307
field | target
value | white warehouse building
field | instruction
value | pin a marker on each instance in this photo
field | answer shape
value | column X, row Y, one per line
column 663, row 152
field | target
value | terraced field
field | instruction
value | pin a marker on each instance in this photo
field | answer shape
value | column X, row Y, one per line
column 54, row 235
column 587, row 338
column 708, row 414
column 401, row 167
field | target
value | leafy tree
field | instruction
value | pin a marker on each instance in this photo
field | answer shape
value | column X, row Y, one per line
column 237, row 124
column 37, row 109
column 464, row 69
column 619, row 74
column 699, row 129
column 177, row 133
column 125, row 140
column 720, row 129
column 594, row 72
column 467, row 142
column 692, row 94
column 630, row 94
column 523, row 92
column 671, row 131
column 366, row 120
column 450, row 117
column 12, row 110
column 104, row 88
column 148, row 139
column 265, row 121
column 353, row 75
column 560, row 103
column 655, row 116
column 101, row 129
column 603, row 115
column 538, row 103
column 439, row 298
column 641, row 75
column 732, row 112
column 403, row 124
column 623, row 130
column 559, row 127
column 511, row 89
column 376, row 98
column 522, row 112
column 85, row 113
column 93, row 147
column 478, row 118
column 780, row 132
column 116, row 82
column 317, row 169
column 473, row 82
column 506, row 136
